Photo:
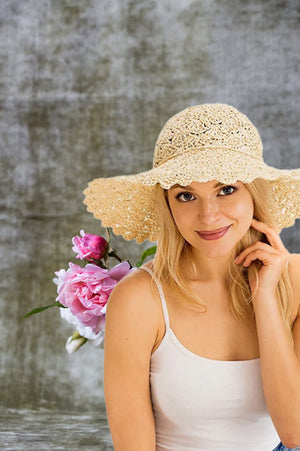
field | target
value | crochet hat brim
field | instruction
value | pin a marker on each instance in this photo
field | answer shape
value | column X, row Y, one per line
column 126, row 203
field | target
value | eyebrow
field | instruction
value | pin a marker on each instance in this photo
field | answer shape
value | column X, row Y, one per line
column 191, row 189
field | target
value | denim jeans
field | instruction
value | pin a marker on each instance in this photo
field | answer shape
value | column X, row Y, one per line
column 280, row 447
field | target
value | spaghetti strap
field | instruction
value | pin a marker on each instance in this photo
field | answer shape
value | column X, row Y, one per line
column 161, row 294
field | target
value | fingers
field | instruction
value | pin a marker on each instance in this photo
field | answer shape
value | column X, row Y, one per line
column 259, row 245
column 271, row 234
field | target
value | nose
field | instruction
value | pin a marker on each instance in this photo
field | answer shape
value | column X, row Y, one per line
column 209, row 212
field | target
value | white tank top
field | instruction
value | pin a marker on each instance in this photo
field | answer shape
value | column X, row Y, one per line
column 201, row 404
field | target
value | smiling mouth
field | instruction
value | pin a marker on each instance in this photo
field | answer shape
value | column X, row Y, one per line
column 214, row 235
column 205, row 232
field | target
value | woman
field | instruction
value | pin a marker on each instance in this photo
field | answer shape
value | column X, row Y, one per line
column 202, row 344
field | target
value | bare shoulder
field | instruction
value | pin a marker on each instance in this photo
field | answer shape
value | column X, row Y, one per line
column 135, row 284
column 294, row 271
column 294, row 261
column 134, row 302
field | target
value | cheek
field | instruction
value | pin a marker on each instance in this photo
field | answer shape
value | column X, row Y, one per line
column 244, row 210
column 181, row 216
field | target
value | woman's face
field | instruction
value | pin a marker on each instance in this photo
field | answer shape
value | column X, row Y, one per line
column 210, row 206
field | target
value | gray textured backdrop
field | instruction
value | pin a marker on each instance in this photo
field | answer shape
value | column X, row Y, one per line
column 85, row 88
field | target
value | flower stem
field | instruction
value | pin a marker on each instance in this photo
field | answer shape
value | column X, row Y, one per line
column 113, row 253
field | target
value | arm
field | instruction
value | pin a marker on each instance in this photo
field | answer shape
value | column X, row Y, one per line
column 130, row 333
column 280, row 363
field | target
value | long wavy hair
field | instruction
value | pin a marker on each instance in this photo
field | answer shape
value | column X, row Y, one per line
column 174, row 252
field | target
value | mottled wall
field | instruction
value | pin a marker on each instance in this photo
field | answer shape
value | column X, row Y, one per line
column 85, row 88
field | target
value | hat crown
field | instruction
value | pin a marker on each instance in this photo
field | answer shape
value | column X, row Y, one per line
column 213, row 125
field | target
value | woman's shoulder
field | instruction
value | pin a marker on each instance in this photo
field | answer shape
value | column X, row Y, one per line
column 149, row 264
column 294, row 272
column 132, row 318
column 295, row 262
column 134, row 290
column 137, row 277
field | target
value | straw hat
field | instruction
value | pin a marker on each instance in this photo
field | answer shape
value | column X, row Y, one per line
column 201, row 143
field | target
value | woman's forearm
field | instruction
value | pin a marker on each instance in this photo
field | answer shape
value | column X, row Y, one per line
column 280, row 369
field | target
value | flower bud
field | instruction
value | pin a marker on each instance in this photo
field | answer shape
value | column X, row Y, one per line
column 74, row 342
column 89, row 246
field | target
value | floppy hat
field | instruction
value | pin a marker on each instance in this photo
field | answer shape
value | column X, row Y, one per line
column 201, row 143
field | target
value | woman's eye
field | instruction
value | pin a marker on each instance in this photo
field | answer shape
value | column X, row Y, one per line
column 229, row 187
column 184, row 197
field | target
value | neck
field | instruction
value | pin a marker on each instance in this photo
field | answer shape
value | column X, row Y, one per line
column 206, row 269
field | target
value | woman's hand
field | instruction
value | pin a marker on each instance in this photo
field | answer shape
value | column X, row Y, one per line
column 274, row 256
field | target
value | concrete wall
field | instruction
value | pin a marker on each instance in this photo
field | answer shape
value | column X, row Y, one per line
column 85, row 88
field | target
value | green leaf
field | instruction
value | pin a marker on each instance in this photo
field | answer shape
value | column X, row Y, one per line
column 40, row 309
column 146, row 253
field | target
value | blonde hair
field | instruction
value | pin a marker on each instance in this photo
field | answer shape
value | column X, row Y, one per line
column 173, row 252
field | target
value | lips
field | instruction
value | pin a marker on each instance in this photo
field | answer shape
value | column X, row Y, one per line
column 214, row 231
column 215, row 235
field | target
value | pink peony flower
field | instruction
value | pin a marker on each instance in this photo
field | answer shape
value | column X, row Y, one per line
column 84, row 331
column 89, row 246
column 85, row 291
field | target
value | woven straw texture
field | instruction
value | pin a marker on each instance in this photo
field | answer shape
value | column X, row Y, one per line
column 200, row 143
